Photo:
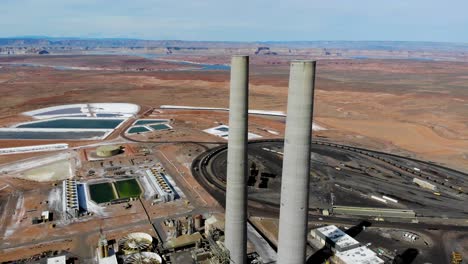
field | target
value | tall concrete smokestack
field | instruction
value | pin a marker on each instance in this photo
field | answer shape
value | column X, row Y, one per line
column 236, row 188
column 296, row 164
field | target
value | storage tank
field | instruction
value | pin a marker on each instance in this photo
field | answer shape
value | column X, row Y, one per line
column 108, row 150
column 144, row 257
column 135, row 242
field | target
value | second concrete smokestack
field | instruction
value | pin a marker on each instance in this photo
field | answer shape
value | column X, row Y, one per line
column 236, row 188
column 292, row 237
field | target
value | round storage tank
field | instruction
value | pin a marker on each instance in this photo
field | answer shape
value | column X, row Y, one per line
column 144, row 257
column 108, row 151
column 135, row 242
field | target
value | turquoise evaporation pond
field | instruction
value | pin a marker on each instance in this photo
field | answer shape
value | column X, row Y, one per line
column 85, row 123
column 159, row 127
column 150, row 121
column 135, row 130
column 50, row 134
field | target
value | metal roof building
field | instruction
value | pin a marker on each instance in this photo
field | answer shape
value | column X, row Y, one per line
column 108, row 260
column 57, row 260
column 359, row 255
column 333, row 237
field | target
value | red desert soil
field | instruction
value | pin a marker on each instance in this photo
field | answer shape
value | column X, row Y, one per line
column 413, row 107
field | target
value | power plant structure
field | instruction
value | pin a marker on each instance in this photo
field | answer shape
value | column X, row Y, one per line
column 296, row 163
column 144, row 257
column 70, row 198
column 294, row 207
column 236, row 182
column 135, row 242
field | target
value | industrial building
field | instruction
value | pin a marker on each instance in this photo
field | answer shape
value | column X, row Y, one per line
column 105, row 253
column 359, row 255
column 212, row 223
column 135, row 242
column 332, row 237
column 70, row 199
column 108, row 151
column 374, row 212
column 159, row 182
column 108, row 260
column 182, row 241
column 144, row 257
column 57, row 260
column 347, row 250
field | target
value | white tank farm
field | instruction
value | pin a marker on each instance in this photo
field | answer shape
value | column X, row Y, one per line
column 135, row 242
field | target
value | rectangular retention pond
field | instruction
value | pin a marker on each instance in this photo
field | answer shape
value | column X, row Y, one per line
column 137, row 129
column 150, row 121
column 56, row 135
column 128, row 188
column 72, row 110
column 160, row 127
column 102, row 192
column 79, row 123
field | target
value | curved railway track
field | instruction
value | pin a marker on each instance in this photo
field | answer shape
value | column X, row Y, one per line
column 370, row 153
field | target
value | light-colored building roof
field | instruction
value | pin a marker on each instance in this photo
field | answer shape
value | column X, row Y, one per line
column 212, row 223
column 184, row 240
column 57, row 260
column 340, row 239
column 45, row 214
column 359, row 255
column 109, row 260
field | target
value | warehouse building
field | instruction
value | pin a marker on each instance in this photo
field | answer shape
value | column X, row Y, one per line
column 332, row 237
column 158, row 181
column 57, row 260
column 359, row 255
column 374, row 212
column 70, row 198
column 347, row 250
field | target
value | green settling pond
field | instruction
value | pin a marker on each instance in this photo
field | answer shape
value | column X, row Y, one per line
column 138, row 129
column 160, row 127
column 128, row 188
column 102, row 192
column 150, row 121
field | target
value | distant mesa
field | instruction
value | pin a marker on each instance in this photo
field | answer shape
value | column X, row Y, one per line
column 264, row 51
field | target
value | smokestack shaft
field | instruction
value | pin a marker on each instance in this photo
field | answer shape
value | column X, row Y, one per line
column 296, row 164
column 236, row 188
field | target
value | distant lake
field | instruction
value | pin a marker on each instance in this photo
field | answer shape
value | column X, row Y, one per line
column 202, row 66
column 391, row 58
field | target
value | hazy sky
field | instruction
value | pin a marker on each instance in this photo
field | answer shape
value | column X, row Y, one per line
column 243, row 20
